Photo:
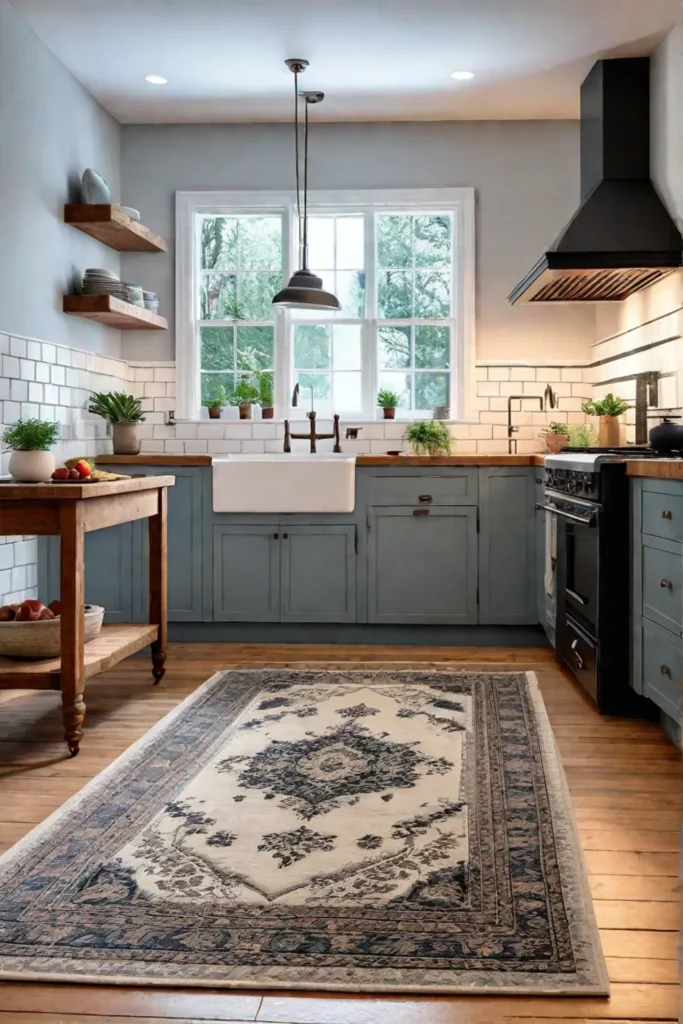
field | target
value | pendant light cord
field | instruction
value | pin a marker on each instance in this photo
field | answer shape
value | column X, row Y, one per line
column 296, row 152
column 306, row 186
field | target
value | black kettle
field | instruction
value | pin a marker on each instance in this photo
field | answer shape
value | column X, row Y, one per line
column 667, row 436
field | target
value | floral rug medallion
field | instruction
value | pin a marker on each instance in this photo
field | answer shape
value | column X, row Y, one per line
column 361, row 830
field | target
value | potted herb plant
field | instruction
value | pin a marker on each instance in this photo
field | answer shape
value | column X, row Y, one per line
column 429, row 438
column 582, row 435
column 215, row 401
column 556, row 436
column 30, row 441
column 124, row 412
column 388, row 401
column 609, row 409
column 266, row 401
column 244, row 395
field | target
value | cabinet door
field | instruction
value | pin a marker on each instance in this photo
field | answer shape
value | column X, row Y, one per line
column 318, row 573
column 540, row 552
column 422, row 565
column 246, row 573
column 662, row 668
column 185, row 562
column 507, row 541
column 108, row 571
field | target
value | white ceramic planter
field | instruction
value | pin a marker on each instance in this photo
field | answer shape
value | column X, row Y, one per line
column 31, row 467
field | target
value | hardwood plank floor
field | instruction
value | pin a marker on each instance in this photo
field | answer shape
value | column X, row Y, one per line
column 625, row 780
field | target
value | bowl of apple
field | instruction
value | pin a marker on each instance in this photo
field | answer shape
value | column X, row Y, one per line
column 32, row 630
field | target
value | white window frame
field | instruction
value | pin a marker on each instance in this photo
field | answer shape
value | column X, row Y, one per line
column 461, row 201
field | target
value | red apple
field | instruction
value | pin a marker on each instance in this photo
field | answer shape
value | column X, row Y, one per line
column 74, row 474
column 61, row 474
column 83, row 469
column 29, row 610
column 46, row 614
column 56, row 607
column 7, row 613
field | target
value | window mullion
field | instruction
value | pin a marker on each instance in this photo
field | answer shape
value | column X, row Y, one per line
column 369, row 375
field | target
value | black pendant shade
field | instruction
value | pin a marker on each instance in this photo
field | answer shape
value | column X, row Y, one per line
column 305, row 289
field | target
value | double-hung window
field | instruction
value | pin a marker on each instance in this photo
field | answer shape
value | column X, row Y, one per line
column 400, row 263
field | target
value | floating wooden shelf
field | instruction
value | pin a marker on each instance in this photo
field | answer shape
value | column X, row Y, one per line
column 113, row 227
column 112, row 645
column 107, row 309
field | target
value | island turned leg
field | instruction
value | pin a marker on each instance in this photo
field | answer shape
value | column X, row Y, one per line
column 72, row 626
column 157, row 584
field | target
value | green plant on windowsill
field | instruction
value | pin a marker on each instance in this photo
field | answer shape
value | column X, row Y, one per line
column 244, row 394
column 388, row 401
column 429, row 438
column 264, row 382
column 216, row 398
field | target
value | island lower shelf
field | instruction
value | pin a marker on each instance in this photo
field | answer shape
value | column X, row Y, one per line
column 113, row 644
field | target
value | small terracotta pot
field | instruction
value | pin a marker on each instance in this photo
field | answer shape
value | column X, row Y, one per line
column 389, row 414
column 245, row 411
column 125, row 438
column 611, row 432
column 554, row 442
column 215, row 412
column 267, row 412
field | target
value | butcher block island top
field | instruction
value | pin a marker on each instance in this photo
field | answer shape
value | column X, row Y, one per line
column 659, row 469
column 70, row 510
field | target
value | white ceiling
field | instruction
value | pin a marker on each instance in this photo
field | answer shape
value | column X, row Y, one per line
column 375, row 59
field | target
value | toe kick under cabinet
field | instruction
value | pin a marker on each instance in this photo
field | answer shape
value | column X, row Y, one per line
column 434, row 545
column 657, row 605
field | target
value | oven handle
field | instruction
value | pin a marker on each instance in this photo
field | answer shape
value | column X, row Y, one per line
column 565, row 515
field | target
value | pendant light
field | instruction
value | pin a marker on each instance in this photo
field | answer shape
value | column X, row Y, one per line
column 305, row 289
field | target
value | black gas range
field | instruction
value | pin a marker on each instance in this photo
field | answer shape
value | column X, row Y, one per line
column 587, row 490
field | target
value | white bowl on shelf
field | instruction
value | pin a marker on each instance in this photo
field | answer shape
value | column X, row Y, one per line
column 41, row 638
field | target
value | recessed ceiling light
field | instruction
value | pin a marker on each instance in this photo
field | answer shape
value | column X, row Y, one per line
column 156, row 79
column 462, row 76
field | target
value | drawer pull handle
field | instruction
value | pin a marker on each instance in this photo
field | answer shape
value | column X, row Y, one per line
column 667, row 584
column 285, row 536
column 425, row 499
column 276, row 536
column 665, row 670
column 666, row 514
column 420, row 511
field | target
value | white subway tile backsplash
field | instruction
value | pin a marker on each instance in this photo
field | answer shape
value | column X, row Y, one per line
column 263, row 431
column 237, row 431
column 57, row 374
column 4, row 344
column 63, row 356
column 254, row 447
column 35, row 392
column 49, row 353
column 42, row 372
column 522, row 373
column 572, row 374
column 196, row 447
column 18, row 347
column 30, row 411
column 154, row 390
column 225, row 447
column 164, row 373
column 499, row 373
column 10, row 366
column 18, row 390
column 186, row 431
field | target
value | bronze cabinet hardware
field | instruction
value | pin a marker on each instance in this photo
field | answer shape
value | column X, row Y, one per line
column 420, row 511
column 666, row 514
column 285, row 536
column 276, row 536
column 667, row 584
column 425, row 498
column 665, row 670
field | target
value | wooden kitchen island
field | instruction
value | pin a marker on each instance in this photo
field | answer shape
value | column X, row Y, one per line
column 70, row 510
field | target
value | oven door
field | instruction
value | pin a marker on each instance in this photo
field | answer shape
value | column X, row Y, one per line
column 577, row 558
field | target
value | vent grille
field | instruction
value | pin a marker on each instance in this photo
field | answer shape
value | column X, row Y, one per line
column 596, row 285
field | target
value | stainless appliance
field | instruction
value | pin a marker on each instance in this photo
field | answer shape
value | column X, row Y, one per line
column 587, row 490
column 622, row 238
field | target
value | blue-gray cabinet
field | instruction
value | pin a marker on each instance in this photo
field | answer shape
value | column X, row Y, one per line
column 657, row 602
column 318, row 573
column 422, row 564
column 283, row 572
column 108, row 570
column 507, row 542
column 246, row 573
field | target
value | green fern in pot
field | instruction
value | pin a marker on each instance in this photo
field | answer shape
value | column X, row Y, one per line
column 429, row 438
column 124, row 412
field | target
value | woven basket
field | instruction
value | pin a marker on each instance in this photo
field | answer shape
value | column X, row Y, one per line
column 41, row 639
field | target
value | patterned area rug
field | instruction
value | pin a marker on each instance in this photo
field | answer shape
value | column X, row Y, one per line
column 358, row 831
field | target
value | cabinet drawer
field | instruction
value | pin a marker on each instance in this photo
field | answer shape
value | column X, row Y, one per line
column 662, row 583
column 662, row 671
column 457, row 486
column 663, row 515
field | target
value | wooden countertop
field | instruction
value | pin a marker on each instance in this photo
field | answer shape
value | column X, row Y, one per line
column 451, row 460
column 658, row 469
column 78, row 491
column 156, row 459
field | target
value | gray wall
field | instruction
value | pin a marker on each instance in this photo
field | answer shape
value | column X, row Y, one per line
column 526, row 175
column 50, row 130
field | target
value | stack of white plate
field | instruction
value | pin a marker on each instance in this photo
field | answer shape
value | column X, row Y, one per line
column 98, row 281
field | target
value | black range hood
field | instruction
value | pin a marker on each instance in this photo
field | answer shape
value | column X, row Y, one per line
column 622, row 238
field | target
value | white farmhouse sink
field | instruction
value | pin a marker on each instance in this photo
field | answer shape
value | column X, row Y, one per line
column 284, row 483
